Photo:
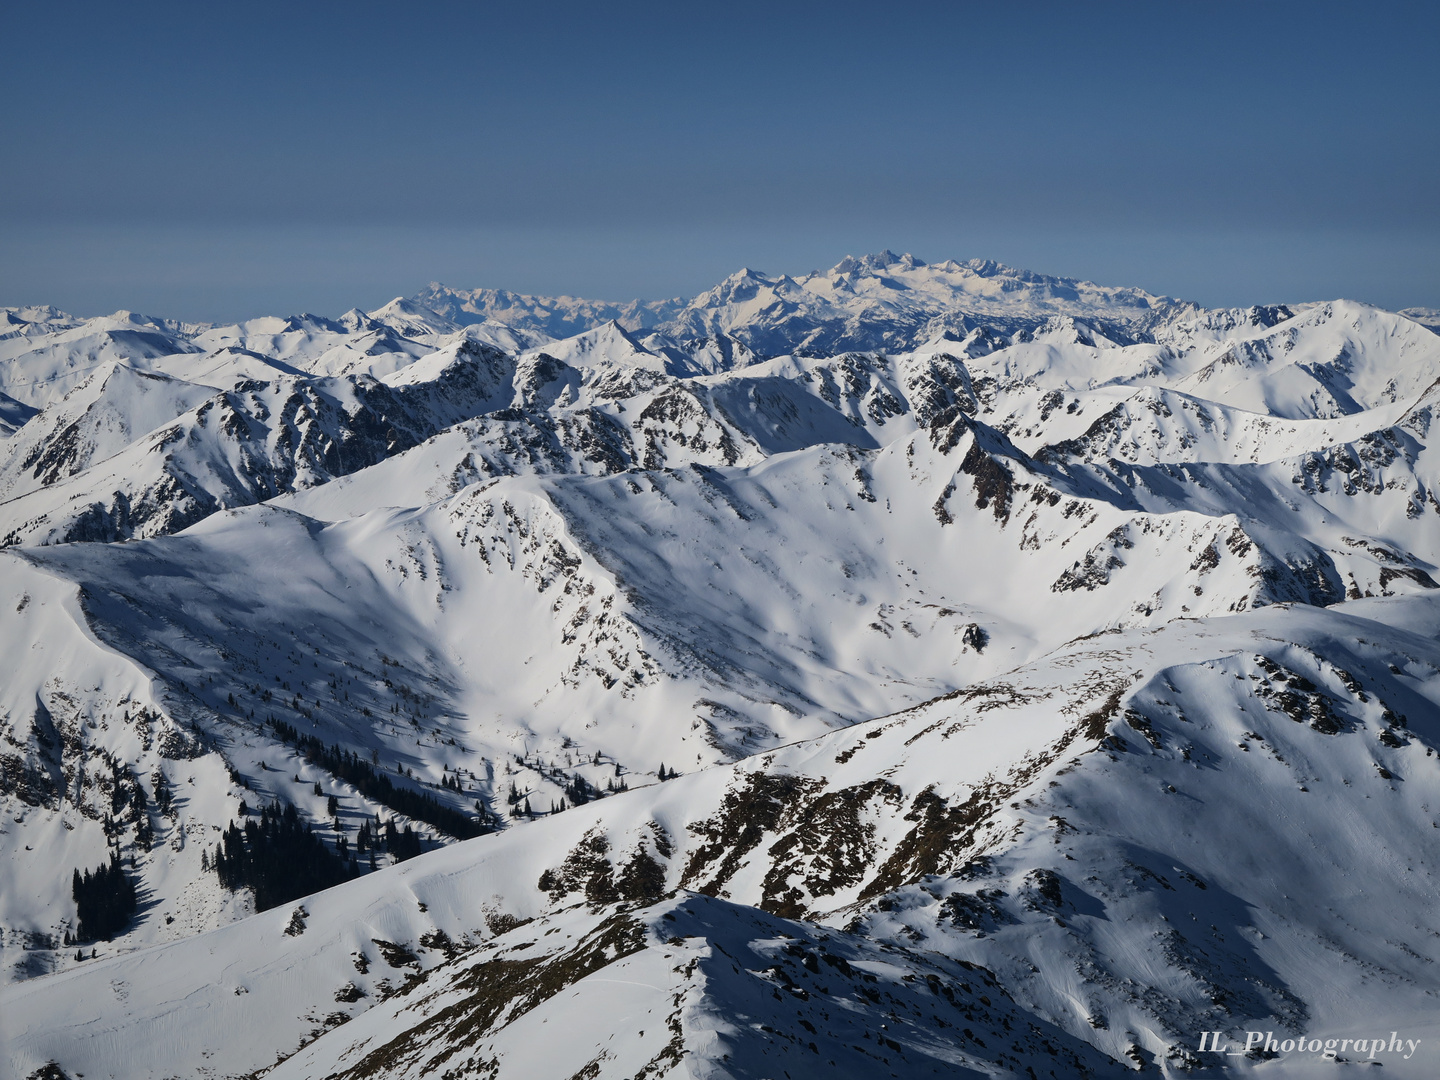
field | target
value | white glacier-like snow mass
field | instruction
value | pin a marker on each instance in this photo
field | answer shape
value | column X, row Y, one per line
column 901, row 669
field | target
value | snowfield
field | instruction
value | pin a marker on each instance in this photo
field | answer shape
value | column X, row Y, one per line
column 905, row 669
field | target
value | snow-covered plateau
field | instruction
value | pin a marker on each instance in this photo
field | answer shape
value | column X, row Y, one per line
column 900, row 670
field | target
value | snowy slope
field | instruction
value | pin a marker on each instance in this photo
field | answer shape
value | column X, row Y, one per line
column 41, row 362
column 1061, row 828
column 1144, row 596
column 1329, row 360
column 682, row 617
column 110, row 410
column 234, row 448
column 83, row 728
column 606, row 345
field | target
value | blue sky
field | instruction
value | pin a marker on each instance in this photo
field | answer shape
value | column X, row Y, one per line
column 222, row 160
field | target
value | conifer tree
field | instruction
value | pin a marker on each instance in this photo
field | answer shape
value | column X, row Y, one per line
column 163, row 797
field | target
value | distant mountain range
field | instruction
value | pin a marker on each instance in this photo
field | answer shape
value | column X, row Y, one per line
column 903, row 669
column 883, row 301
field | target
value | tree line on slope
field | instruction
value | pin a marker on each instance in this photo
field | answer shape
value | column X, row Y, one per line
column 278, row 858
column 374, row 784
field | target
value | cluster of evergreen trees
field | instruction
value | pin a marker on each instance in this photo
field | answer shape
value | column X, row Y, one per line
column 402, row 843
column 579, row 791
column 105, row 900
column 369, row 781
column 279, row 858
column 517, row 807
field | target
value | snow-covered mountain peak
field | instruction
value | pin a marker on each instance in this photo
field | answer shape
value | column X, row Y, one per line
column 412, row 318
column 356, row 321
column 743, row 285
column 606, row 345
column 990, row 283
column 881, row 260
column 43, row 314
column 503, row 336
column 1327, row 359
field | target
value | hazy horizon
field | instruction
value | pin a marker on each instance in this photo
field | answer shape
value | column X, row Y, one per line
column 219, row 164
